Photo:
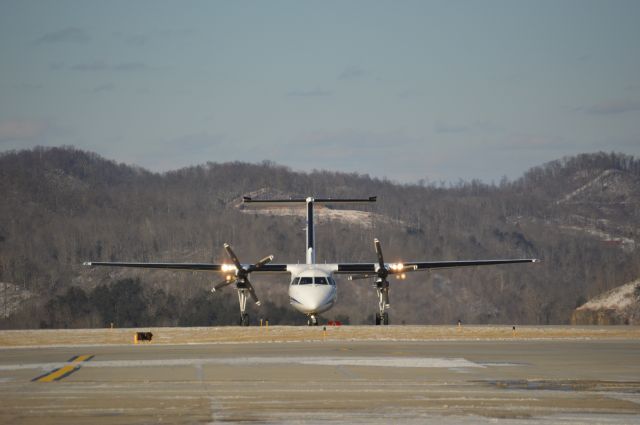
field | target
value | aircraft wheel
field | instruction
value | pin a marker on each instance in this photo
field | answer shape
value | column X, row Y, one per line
column 385, row 318
column 378, row 319
column 244, row 320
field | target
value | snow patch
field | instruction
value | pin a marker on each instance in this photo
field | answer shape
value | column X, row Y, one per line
column 323, row 215
column 626, row 243
column 592, row 183
column 617, row 298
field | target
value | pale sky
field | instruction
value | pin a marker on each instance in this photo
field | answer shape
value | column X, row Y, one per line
column 435, row 90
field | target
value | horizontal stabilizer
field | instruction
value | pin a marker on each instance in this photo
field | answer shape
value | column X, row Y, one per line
column 301, row 202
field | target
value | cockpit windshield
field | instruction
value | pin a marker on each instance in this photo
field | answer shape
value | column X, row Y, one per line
column 308, row 280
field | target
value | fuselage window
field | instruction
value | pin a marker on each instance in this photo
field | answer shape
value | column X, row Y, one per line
column 331, row 281
column 306, row 280
column 295, row 281
column 321, row 281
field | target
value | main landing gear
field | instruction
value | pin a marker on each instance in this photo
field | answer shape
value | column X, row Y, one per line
column 382, row 320
column 382, row 289
column 242, row 298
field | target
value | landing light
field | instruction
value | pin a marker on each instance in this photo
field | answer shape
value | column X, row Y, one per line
column 396, row 267
column 228, row 268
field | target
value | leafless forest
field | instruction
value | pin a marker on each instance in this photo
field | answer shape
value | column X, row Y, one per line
column 62, row 206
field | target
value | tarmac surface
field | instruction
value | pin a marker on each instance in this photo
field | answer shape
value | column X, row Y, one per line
column 317, row 377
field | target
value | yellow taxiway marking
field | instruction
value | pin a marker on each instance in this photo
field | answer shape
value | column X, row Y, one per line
column 63, row 372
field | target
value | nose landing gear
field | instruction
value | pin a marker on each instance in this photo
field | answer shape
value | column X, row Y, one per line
column 312, row 320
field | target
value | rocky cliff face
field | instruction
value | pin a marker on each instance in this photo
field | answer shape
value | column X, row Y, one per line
column 619, row 306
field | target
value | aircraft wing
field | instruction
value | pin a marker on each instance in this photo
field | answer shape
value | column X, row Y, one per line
column 208, row 267
column 410, row 266
column 341, row 268
column 466, row 263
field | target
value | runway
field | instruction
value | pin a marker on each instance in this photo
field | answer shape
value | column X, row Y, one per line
column 553, row 381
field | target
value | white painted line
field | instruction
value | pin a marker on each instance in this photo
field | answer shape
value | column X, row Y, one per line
column 402, row 362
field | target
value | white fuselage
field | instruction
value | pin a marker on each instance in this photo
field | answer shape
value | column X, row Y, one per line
column 312, row 289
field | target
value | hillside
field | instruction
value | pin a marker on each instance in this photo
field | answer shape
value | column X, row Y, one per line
column 618, row 306
column 62, row 206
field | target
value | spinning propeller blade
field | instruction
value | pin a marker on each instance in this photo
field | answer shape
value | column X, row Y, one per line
column 224, row 283
column 380, row 258
column 252, row 292
column 233, row 256
column 382, row 283
column 264, row 261
column 382, row 272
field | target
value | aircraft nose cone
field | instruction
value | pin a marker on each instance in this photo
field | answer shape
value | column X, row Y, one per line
column 314, row 303
column 317, row 298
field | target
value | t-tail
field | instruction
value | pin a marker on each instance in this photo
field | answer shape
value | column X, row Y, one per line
column 309, row 203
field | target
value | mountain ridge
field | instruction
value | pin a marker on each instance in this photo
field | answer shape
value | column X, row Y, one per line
column 63, row 206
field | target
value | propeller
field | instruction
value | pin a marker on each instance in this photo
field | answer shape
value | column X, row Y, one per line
column 381, row 282
column 241, row 278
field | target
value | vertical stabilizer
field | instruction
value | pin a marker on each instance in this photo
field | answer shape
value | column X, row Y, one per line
column 310, row 255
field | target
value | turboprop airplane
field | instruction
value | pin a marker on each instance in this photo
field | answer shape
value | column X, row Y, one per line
column 312, row 288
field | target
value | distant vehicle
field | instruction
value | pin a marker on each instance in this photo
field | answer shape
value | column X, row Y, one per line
column 312, row 288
